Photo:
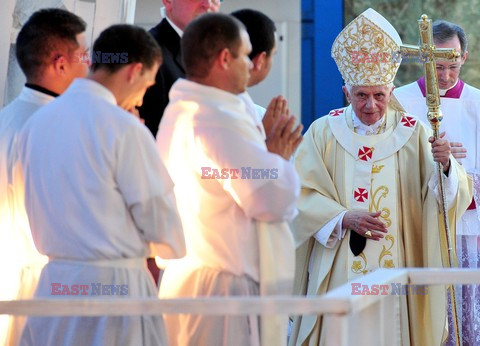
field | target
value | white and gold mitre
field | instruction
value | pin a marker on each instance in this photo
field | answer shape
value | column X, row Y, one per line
column 366, row 51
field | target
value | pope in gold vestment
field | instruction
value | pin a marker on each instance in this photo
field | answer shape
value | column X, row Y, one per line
column 390, row 172
column 320, row 163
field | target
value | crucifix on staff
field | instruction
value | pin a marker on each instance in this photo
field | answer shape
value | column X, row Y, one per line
column 428, row 54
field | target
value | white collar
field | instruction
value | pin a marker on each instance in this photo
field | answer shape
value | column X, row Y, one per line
column 176, row 28
column 30, row 95
column 94, row 88
column 205, row 93
column 363, row 129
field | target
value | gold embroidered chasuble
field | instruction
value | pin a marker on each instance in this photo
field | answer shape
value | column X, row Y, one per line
column 390, row 173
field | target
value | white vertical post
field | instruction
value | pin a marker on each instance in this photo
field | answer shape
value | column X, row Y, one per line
column 390, row 320
column 86, row 11
column 110, row 12
column 6, row 20
column 338, row 329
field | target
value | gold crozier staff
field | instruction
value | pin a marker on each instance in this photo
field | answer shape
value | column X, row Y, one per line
column 429, row 54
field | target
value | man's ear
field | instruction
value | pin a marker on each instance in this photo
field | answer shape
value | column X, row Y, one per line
column 134, row 70
column 167, row 4
column 224, row 58
column 465, row 55
column 259, row 60
column 59, row 63
column 347, row 94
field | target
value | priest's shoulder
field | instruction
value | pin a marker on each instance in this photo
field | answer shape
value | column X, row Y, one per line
column 471, row 93
column 117, row 118
column 411, row 89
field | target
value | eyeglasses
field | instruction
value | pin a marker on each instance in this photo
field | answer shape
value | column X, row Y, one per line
column 453, row 68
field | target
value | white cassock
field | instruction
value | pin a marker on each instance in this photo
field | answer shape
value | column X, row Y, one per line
column 256, row 111
column 206, row 130
column 461, row 122
column 97, row 195
column 20, row 262
column 276, row 273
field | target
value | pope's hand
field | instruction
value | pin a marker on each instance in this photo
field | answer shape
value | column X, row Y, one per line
column 441, row 151
column 362, row 222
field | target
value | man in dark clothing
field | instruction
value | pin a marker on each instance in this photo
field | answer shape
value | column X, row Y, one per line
column 179, row 13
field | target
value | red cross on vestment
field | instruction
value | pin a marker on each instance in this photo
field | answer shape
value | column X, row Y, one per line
column 365, row 153
column 360, row 195
column 336, row 112
column 408, row 121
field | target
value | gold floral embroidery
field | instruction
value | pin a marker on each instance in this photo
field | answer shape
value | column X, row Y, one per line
column 377, row 169
column 358, row 267
column 388, row 264
column 387, row 252
column 375, row 205
column 377, row 196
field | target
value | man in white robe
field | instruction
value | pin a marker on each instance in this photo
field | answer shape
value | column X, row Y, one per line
column 37, row 42
column 460, row 105
column 226, row 181
column 262, row 32
column 97, row 195
column 368, row 188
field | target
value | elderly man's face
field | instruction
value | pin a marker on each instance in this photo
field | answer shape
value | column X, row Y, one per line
column 182, row 12
column 369, row 102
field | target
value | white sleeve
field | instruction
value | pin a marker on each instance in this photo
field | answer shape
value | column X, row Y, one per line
column 147, row 189
column 271, row 197
column 450, row 185
column 332, row 232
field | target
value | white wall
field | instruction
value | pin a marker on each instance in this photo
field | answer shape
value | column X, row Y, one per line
column 98, row 14
column 285, row 77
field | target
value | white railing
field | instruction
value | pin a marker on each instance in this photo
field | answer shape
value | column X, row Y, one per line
column 351, row 319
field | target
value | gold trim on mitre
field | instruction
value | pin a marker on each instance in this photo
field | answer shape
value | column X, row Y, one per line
column 367, row 51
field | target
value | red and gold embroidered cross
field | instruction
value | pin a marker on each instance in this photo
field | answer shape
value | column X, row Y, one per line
column 365, row 153
column 336, row 112
column 408, row 121
column 360, row 195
